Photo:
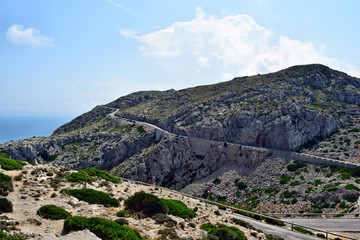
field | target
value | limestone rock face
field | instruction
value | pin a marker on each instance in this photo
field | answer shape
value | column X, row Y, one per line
column 176, row 161
column 102, row 145
column 202, row 128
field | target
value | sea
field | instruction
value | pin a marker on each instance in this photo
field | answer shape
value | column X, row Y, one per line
column 15, row 128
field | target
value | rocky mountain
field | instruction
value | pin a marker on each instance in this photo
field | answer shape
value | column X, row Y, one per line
column 193, row 136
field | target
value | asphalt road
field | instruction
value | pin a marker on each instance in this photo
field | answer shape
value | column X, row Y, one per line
column 278, row 231
column 329, row 224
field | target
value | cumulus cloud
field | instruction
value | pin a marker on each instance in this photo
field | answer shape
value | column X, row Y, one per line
column 29, row 36
column 235, row 45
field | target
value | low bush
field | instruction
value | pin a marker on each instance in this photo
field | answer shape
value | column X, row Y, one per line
column 243, row 223
column 241, row 185
column 295, row 166
column 79, row 177
column 294, row 183
column 351, row 187
column 5, row 236
column 168, row 233
column 102, row 174
column 124, row 213
column 6, row 185
column 302, row 230
column 53, row 212
column 223, row 232
column 92, row 196
column 161, row 218
column 146, row 203
column 122, row 221
column 320, row 235
column 273, row 221
column 284, row 179
column 10, row 164
column 102, row 228
column 5, row 205
column 4, row 178
column 178, row 208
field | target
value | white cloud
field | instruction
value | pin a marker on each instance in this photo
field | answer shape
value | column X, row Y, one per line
column 117, row 4
column 231, row 45
column 29, row 36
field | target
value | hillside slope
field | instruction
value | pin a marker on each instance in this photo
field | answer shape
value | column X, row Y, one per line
column 303, row 108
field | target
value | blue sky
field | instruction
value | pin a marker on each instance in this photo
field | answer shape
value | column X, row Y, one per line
column 63, row 57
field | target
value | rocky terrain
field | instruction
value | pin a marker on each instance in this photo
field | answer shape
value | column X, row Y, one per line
column 206, row 129
column 39, row 185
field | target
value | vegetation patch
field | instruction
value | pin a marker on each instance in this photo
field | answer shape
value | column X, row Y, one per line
column 102, row 174
column 102, row 228
column 10, row 164
column 53, row 212
column 178, row 208
column 295, row 166
column 5, row 205
column 284, row 179
column 223, row 232
column 5, row 178
column 241, row 185
column 79, row 177
column 92, row 196
column 302, row 230
column 6, row 184
column 161, row 218
column 5, row 236
column 146, row 203
column 124, row 213
column 351, row 187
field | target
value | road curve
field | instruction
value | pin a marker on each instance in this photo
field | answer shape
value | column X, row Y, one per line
column 274, row 230
column 329, row 224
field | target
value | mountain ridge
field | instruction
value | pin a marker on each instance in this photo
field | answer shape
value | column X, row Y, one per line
column 295, row 109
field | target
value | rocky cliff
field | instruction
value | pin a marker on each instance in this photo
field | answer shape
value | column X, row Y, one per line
column 296, row 109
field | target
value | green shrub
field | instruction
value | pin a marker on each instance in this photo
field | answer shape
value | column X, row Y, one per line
column 243, row 223
column 320, row 235
column 241, row 185
column 10, row 164
column 5, row 236
column 351, row 187
column 161, row 218
column 295, row 166
column 102, row 174
column 294, row 183
column 5, row 205
column 284, row 179
column 6, row 185
column 124, row 213
column 168, row 233
column 354, row 130
column 318, row 182
column 79, row 177
column 122, row 221
column 4, row 178
column 146, row 203
column 216, row 181
column 53, row 212
column 92, row 196
column 223, row 232
column 302, row 230
column 178, row 208
column 141, row 130
column 287, row 194
column 101, row 227
column 274, row 222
